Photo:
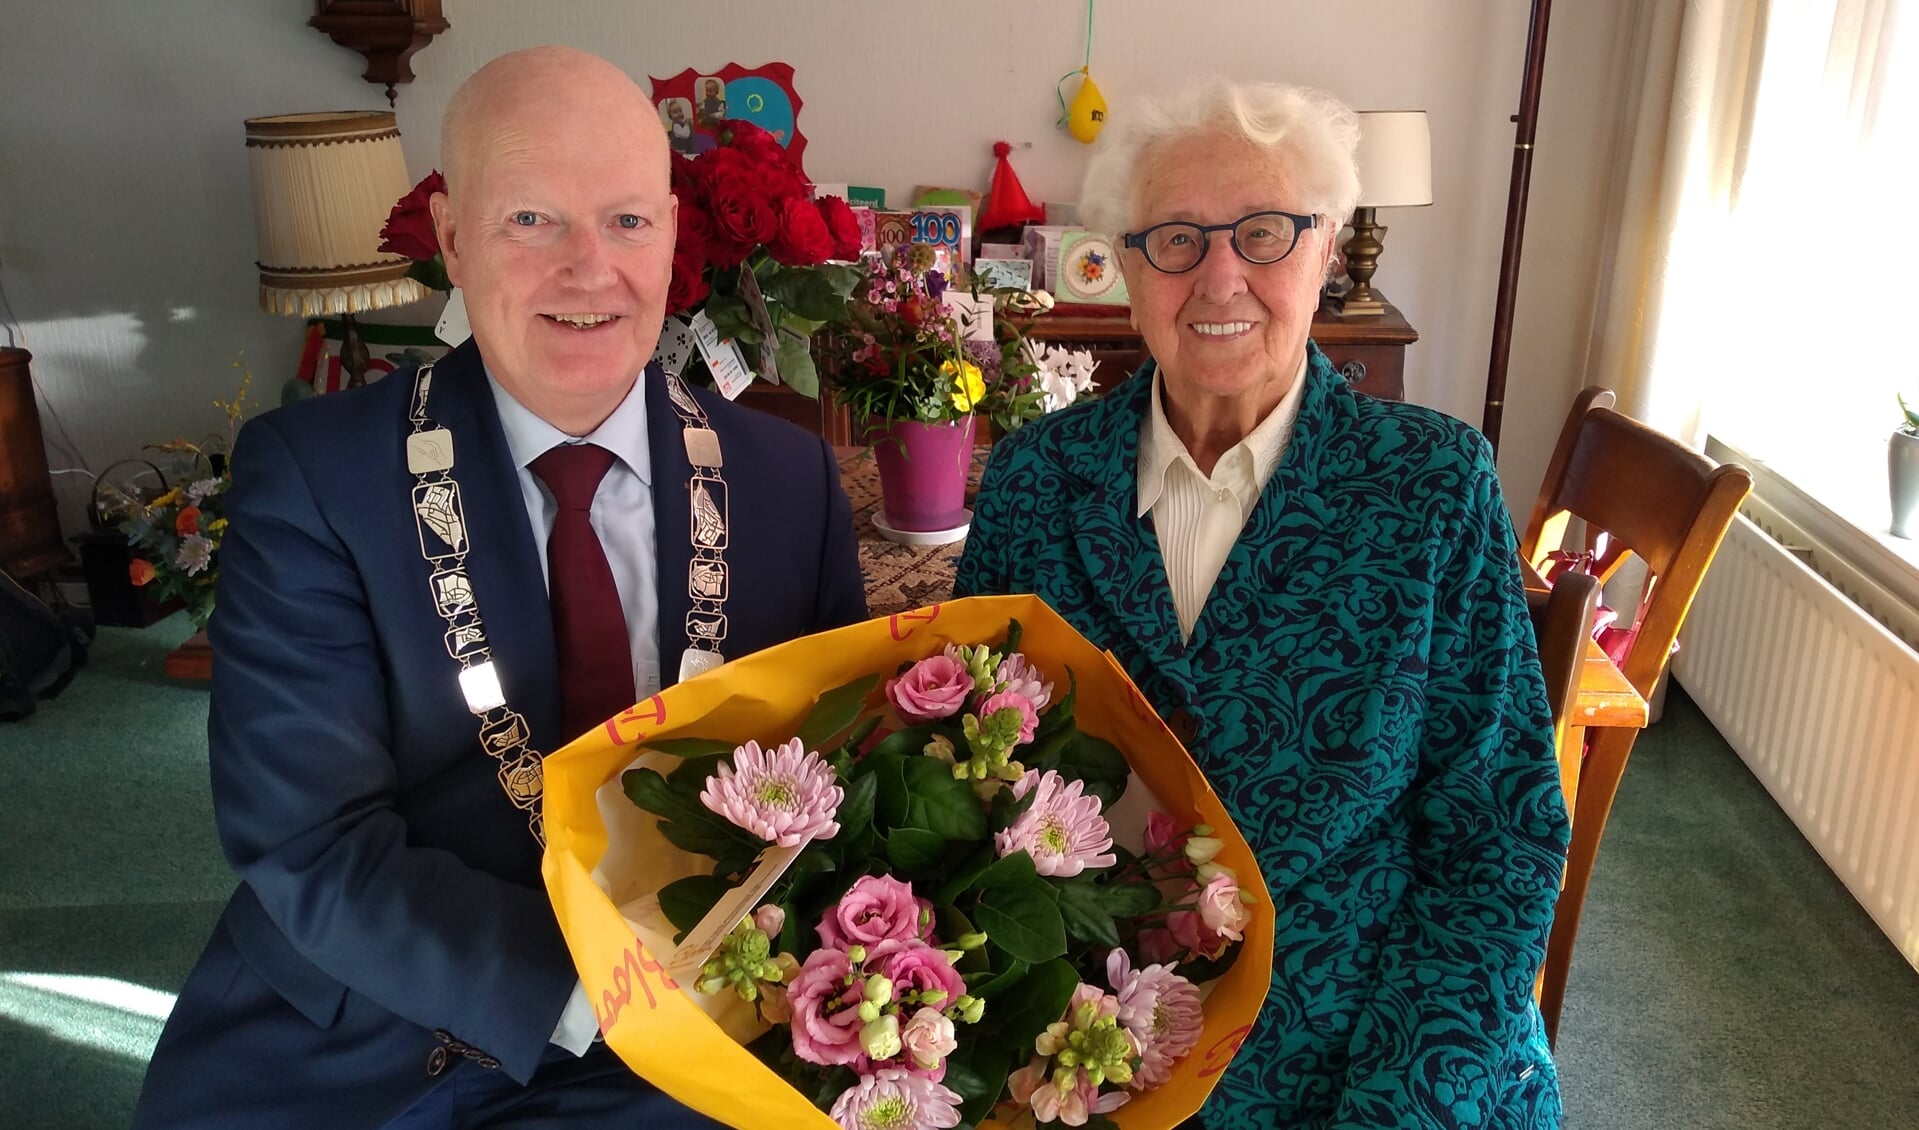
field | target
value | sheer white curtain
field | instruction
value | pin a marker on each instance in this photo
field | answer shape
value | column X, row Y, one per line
column 1763, row 256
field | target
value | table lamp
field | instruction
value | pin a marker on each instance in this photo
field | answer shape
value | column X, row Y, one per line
column 1395, row 170
column 323, row 185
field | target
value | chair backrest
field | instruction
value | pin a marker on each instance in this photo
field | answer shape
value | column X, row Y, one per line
column 1563, row 623
column 1659, row 500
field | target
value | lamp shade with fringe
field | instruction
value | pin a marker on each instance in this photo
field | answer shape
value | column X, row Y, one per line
column 323, row 185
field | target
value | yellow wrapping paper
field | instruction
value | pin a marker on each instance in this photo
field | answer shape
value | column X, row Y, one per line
column 657, row 1025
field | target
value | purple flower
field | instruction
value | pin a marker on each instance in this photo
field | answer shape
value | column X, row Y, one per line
column 891, row 1099
column 1017, row 674
column 825, row 999
column 877, row 908
column 1063, row 830
column 786, row 796
column 1160, row 1010
column 935, row 284
column 934, row 688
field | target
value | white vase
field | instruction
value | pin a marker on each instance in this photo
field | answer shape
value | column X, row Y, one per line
column 1902, row 478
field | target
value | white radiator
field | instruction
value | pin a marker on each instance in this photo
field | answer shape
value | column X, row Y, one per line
column 1814, row 681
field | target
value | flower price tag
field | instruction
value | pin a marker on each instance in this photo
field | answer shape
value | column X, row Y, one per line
column 722, row 358
column 704, row 939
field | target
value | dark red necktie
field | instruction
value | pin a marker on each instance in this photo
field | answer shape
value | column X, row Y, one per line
column 589, row 629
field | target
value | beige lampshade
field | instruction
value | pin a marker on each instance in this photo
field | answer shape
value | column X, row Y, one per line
column 1395, row 158
column 323, row 185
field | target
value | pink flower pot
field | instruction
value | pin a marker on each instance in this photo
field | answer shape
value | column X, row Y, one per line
column 923, row 473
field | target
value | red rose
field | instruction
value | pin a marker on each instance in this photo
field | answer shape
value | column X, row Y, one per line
column 803, row 240
column 688, row 287
column 744, row 216
column 409, row 227
column 720, row 169
column 187, row 521
column 140, row 571
column 696, row 237
column 760, row 145
column 843, row 226
column 685, row 179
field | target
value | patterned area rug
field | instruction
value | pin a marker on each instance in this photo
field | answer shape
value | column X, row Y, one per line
column 898, row 577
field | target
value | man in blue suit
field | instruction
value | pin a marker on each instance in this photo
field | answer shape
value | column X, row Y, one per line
column 390, row 958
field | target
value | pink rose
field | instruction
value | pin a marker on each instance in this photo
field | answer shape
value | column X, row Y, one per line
column 1161, row 833
column 826, row 1009
column 1159, row 946
column 934, row 688
column 928, row 1039
column 1013, row 700
column 1220, row 909
column 770, row 920
column 877, row 908
column 915, row 967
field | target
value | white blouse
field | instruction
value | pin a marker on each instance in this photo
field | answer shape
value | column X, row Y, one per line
column 1198, row 518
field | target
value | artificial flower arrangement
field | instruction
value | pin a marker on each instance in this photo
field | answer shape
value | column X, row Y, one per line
column 984, row 910
column 907, row 356
column 767, row 262
column 176, row 537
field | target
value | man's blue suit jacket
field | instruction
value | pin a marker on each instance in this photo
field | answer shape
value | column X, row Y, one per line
column 389, row 888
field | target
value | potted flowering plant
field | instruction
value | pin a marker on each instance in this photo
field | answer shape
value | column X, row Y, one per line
column 1902, row 470
column 758, row 255
column 922, row 376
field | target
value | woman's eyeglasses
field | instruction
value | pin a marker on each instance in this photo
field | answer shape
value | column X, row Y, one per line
column 1176, row 247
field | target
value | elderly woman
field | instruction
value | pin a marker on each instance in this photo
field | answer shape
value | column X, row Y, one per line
column 1321, row 592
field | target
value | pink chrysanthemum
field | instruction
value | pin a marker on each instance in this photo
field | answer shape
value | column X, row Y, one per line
column 890, row 1099
column 1063, row 830
column 786, row 796
column 1160, row 1010
column 1017, row 674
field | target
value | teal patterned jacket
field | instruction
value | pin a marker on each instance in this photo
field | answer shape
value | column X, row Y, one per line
column 1368, row 702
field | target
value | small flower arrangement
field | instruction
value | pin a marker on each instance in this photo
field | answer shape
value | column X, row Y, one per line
column 751, row 234
column 1910, row 423
column 176, row 537
column 961, row 927
column 906, row 355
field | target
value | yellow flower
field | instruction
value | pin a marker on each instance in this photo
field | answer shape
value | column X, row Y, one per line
column 969, row 385
column 167, row 499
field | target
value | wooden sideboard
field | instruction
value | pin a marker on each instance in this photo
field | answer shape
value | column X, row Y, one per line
column 1369, row 351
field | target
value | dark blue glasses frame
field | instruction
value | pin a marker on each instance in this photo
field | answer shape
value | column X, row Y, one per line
column 1204, row 232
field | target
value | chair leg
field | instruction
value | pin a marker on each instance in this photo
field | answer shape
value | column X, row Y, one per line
column 1599, row 776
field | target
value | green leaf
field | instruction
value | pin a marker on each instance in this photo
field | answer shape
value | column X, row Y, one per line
column 684, row 821
column 1059, row 713
column 856, row 808
column 953, row 924
column 962, row 878
column 889, row 809
column 686, row 901
column 809, row 293
column 915, row 851
column 1085, row 919
column 794, row 356
column 1023, row 921
column 1043, row 996
column 1097, row 762
column 835, row 711
column 940, row 803
column 1015, row 870
column 1013, row 635
column 1125, row 900
column 732, row 319
column 690, row 776
column 978, row 1079
column 1000, row 982
column 858, row 734
column 912, row 740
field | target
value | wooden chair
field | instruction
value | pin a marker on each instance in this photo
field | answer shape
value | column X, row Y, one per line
column 1562, row 623
column 1670, row 507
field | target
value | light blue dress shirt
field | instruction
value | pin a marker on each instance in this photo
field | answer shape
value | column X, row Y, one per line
column 622, row 513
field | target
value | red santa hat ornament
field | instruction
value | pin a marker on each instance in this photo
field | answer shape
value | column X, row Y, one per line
column 1007, row 205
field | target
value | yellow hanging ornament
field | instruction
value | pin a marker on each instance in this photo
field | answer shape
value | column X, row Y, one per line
column 1087, row 114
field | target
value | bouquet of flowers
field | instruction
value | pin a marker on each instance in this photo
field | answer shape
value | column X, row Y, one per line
column 755, row 249
column 907, row 355
column 941, row 894
column 176, row 537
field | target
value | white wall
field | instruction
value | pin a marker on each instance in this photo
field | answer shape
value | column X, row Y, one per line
column 126, row 241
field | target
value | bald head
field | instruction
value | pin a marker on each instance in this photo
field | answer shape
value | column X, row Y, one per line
column 558, row 227
column 522, row 90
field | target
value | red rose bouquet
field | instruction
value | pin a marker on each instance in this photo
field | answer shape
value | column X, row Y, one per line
column 751, row 235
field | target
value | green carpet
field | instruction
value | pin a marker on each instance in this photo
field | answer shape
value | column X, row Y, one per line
column 1724, row 976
